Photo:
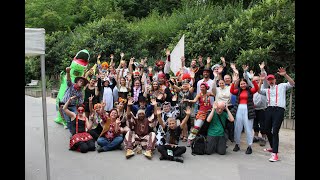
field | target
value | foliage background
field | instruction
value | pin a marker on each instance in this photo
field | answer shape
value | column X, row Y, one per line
column 244, row 32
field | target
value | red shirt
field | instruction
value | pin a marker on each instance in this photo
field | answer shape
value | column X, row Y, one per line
column 243, row 97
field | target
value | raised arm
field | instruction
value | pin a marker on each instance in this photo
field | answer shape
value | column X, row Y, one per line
column 90, row 104
column 214, row 107
column 88, row 124
column 183, row 61
column 69, row 83
column 230, row 116
column 130, row 65
column 69, row 113
column 185, row 120
column 255, row 88
column 263, row 74
column 214, row 84
column 208, row 62
column 129, row 105
column 160, row 120
column 166, row 69
column 282, row 72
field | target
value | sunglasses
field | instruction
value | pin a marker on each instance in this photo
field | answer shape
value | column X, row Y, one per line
column 80, row 110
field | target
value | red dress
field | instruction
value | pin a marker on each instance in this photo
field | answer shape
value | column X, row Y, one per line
column 79, row 136
column 204, row 102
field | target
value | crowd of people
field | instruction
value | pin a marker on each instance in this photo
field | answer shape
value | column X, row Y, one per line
column 144, row 109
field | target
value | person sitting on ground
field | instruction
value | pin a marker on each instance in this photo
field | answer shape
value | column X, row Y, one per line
column 111, row 135
column 140, row 137
column 216, row 140
column 170, row 149
column 97, row 117
column 168, row 112
column 81, row 140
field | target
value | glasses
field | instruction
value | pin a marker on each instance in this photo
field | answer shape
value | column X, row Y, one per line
column 80, row 110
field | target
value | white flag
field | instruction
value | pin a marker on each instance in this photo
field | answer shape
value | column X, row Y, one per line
column 175, row 56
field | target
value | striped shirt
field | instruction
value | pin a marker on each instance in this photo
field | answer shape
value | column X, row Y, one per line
column 71, row 91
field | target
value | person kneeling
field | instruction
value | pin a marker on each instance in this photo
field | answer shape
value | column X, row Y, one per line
column 216, row 141
column 170, row 150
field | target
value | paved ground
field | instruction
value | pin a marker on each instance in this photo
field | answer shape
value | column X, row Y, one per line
column 65, row 164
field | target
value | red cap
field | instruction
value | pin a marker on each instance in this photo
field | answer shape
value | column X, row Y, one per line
column 159, row 63
column 270, row 76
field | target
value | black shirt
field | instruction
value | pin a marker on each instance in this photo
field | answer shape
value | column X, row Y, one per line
column 172, row 136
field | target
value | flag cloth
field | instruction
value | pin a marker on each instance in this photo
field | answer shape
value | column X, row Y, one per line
column 175, row 56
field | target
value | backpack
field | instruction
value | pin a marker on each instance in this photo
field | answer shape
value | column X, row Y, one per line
column 198, row 145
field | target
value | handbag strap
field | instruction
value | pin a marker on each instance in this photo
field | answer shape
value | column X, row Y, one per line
column 221, row 122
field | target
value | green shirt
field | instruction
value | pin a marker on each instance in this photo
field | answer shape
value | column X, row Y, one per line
column 215, row 127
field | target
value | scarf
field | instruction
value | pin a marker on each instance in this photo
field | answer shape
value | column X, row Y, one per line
column 76, row 87
column 136, row 92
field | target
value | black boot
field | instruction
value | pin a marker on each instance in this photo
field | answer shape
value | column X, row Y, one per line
column 236, row 148
column 178, row 159
column 249, row 150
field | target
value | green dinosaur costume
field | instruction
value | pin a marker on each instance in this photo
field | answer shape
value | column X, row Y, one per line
column 78, row 65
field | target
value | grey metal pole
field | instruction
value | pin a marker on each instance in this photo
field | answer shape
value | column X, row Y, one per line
column 44, row 110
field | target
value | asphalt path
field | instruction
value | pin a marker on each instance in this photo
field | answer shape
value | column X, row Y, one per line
column 66, row 165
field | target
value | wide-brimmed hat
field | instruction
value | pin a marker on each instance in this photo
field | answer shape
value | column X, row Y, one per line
column 85, row 81
column 208, row 69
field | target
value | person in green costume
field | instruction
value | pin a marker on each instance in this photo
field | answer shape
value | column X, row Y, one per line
column 78, row 65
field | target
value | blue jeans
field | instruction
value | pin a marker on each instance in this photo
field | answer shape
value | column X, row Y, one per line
column 67, row 118
column 110, row 145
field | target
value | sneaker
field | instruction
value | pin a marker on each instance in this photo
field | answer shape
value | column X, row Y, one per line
column 65, row 126
column 268, row 150
column 129, row 153
column 255, row 139
column 100, row 149
column 262, row 142
column 236, row 148
column 274, row 157
column 148, row 154
column 249, row 150
column 178, row 159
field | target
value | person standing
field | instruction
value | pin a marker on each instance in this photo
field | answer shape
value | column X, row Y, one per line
column 274, row 114
column 244, row 112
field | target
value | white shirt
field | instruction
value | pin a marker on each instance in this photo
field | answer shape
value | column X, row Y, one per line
column 223, row 94
column 125, row 71
column 280, row 99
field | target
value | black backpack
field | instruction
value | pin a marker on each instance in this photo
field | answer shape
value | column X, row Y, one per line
column 198, row 145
